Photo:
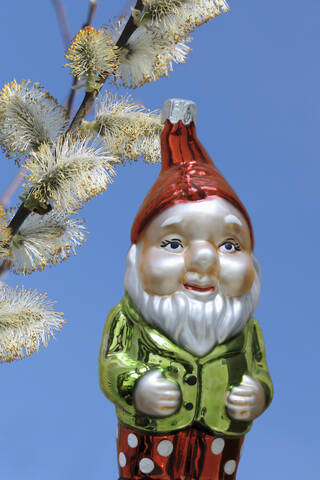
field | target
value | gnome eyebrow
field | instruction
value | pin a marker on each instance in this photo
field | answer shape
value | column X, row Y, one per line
column 171, row 221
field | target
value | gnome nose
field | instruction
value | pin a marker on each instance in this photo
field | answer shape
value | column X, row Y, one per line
column 202, row 257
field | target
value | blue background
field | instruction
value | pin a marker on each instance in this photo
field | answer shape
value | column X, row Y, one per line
column 254, row 74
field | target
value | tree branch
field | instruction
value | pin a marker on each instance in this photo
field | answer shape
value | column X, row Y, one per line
column 92, row 8
column 62, row 17
column 5, row 199
column 4, row 267
column 89, row 98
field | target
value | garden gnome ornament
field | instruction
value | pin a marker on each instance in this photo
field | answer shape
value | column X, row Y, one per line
column 182, row 358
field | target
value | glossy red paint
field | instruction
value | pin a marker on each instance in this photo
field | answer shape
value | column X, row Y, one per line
column 190, row 454
column 188, row 174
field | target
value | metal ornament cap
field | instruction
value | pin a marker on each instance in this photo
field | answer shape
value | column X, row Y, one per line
column 176, row 109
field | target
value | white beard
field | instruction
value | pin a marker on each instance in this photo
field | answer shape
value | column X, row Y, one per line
column 196, row 325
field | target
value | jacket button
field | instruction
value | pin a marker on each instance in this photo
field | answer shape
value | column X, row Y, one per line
column 188, row 406
column 192, row 380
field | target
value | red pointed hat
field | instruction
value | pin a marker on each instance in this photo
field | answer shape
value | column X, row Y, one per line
column 188, row 174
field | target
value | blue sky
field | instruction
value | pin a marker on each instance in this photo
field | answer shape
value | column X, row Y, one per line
column 254, row 74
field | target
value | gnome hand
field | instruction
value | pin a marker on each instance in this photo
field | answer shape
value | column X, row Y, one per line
column 156, row 396
column 247, row 401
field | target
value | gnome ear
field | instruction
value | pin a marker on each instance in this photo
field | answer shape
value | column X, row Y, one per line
column 132, row 255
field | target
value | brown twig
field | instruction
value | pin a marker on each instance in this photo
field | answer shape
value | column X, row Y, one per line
column 6, row 197
column 4, row 267
column 92, row 8
column 62, row 17
column 4, row 201
column 22, row 212
column 90, row 97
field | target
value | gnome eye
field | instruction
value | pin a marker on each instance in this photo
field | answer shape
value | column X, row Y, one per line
column 229, row 246
column 173, row 245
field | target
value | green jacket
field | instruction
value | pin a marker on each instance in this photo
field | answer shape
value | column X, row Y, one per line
column 131, row 347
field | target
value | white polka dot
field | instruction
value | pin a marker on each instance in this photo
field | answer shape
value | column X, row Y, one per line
column 122, row 460
column 230, row 467
column 146, row 465
column 241, row 450
column 217, row 446
column 132, row 440
column 165, row 448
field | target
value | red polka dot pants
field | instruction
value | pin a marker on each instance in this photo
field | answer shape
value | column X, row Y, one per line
column 188, row 454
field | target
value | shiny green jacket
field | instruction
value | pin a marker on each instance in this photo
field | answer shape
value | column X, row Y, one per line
column 131, row 347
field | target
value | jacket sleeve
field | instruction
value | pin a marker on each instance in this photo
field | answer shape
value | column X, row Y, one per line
column 119, row 368
column 259, row 365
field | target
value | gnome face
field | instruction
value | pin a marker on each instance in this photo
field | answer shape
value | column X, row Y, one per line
column 193, row 275
column 199, row 248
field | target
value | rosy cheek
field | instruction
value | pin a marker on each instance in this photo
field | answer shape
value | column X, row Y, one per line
column 161, row 271
column 236, row 274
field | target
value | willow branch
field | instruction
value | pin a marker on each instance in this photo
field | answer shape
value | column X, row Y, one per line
column 92, row 8
column 23, row 212
column 4, row 201
column 89, row 98
column 6, row 197
column 62, row 17
column 4, row 267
